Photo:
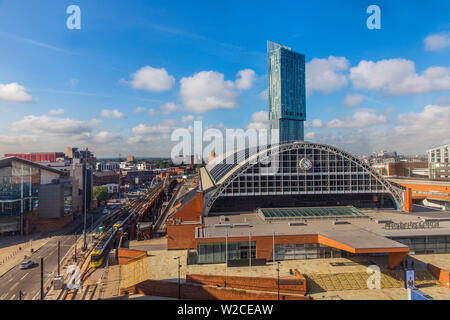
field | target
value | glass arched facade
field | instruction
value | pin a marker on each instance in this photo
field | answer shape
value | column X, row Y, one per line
column 304, row 168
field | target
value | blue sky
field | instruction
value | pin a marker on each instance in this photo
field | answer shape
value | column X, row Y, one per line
column 153, row 66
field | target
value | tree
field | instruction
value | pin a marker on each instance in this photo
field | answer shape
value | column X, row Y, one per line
column 100, row 194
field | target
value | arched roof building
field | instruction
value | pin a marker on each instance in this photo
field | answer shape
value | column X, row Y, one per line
column 294, row 174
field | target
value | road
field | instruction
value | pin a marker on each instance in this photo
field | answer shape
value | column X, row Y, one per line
column 29, row 280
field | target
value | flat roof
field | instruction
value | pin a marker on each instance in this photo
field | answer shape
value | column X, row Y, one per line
column 371, row 228
column 445, row 183
column 309, row 212
column 4, row 162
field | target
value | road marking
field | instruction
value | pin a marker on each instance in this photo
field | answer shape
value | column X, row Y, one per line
column 15, row 285
column 12, row 298
column 3, row 296
column 24, row 276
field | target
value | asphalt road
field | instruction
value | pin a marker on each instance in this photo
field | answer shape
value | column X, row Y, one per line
column 29, row 280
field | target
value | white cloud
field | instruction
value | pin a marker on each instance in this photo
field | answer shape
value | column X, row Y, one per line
column 14, row 92
column 437, row 42
column 169, row 108
column 310, row 135
column 325, row 75
column 141, row 139
column 264, row 95
column 352, row 100
column 139, row 109
column 52, row 125
column 317, row 123
column 112, row 114
column 245, row 79
column 106, row 136
column 56, row 112
column 360, row 119
column 433, row 121
column 190, row 118
column 260, row 120
column 398, row 77
column 18, row 140
column 207, row 90
column 152, row 79
column 164, row 127
column 152, row 112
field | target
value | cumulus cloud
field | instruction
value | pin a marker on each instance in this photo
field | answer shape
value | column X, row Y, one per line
column 437, row 42
column 310, row 135
column 164, row 127
column 317, row 123
column 352, row 100
column 190, row 118
column 112, row 114
column 208, row 90
column 169, row 108
column 56, row 112
column 433, row 120
column 245, row 79
column 14, row 92
column 360, row 119
column 139, row 110
column 18, row 140
column 398, row 77
column 260, row 120
column 105, row 136
column 53, row 125
column 152, row 79
column 325, row 75
column 264, row 95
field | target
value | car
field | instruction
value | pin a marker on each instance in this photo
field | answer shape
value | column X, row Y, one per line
column 26, row 264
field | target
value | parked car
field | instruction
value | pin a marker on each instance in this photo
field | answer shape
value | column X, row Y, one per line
column 26, row 264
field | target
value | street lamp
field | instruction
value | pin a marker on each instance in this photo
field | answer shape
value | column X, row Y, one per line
column 179, row 283
column 278, row 280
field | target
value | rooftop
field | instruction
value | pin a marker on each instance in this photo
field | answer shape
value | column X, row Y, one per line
column 308, row 212
column 369, row 224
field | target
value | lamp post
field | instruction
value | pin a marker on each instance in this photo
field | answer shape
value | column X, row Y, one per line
column 273, row 254
column 278, row 280
column 85, row 186
column 226, row 257
column 59, row 254
column 179, row 279
column 250, row 253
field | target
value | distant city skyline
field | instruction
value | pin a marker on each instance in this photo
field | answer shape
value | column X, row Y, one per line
column 136, row 71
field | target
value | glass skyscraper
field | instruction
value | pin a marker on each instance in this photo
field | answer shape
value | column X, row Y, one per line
column 287, row 105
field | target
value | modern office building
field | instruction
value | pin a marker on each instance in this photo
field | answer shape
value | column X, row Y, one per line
column 20, row 183
column 287, row 103
column 439, row 162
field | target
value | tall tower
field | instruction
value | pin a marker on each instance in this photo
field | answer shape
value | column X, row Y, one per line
column 287, row 103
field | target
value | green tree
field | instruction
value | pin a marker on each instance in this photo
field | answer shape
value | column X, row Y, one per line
column 100, row 194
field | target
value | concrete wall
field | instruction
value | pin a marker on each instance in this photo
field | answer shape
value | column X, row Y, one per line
column 47, row 176
column 51, row 200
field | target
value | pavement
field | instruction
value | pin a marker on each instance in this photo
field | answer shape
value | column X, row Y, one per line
column 13, row 279
column 350, row 275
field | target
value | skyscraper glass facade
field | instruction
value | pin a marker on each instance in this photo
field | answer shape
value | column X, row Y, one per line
column 287, row 105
